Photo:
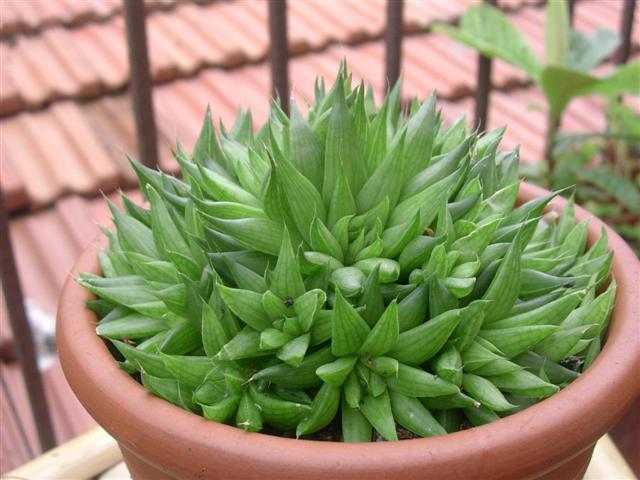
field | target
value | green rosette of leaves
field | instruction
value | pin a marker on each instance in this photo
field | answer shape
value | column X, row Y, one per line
column 364, row 267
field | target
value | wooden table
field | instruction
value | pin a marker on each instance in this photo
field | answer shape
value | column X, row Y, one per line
column 96, row 455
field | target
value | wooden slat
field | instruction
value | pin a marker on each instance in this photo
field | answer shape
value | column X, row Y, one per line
column 117, row 472
column 607, row 463
column 82, row 458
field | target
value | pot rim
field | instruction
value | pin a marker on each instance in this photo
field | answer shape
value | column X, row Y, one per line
column 557, row 428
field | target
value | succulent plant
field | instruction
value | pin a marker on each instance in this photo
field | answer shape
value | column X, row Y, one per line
column 364, row 267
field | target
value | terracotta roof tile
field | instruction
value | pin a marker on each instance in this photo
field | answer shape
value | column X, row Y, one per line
column 20, row 441
column 104, row 48
column 18, row 432
column 222, row 52
column 63, row 44
column 33, row 90
column 21, row 154
column 46, row 245
column 90, row 59
column 12, row 185
column 71, row 149
column 31, row 16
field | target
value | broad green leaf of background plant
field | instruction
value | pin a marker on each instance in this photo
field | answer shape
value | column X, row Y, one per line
column 556, row 32
column 617, row 186
column 587, row 51
column 623, row 80
column 491, row 33
column 561, row 84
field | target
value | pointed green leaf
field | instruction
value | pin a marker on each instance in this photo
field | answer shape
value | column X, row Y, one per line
column 515, row 340
column 419, row 344
column 322, row 240
column 342, row 150
column 341, row 202
column 247, row 305
column 292, row 353
column 336, row 372
column 348, row 329
column 385, row 333
column 377, row 410
column 286, row 280
column 304, row 149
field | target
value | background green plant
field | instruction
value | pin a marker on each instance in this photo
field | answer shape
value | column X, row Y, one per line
column 604, row 165
column 363, row 269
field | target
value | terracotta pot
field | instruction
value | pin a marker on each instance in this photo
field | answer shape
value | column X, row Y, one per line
column 553, row 439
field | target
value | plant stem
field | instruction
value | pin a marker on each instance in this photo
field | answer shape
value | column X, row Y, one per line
column 553, row 125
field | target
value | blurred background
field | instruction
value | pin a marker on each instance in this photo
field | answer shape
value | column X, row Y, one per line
column 67, row 118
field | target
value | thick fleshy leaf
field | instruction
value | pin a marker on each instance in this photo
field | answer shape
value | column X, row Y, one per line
column 342, row 150
column 324, row 408
column 349, row 281
column 348, row 329
column 419, row 344
column 259, row 234
column 515, row 340
column 341, row 204
column 505, row 286
column 336, row 372
column 395, row 239
column 322, row 240
column 385, row 333
column 302, row 196
column 247, row 305
column 286, row 280
column 439, row 169
column 424, row 202
column 213, row 333
column 292, row 353
column 386, row 181
column 412, row 415
column 131, row 292
column 415, row 382
column 223, row 189
column 133, row 235
column 377, row 410
column 304, row 149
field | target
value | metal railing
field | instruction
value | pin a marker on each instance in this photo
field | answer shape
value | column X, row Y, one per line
column 142, row 99
column 22, row 336
column 279, row 52
column 393, row 41
column 140, row 81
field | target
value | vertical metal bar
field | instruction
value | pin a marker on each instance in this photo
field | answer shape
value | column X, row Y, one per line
column 14, row 411
column 483, row 88
column 279, row 51
column 571, row 6
column 141, row 83
column 22, row 335
column 393, row 41
column 626, row 29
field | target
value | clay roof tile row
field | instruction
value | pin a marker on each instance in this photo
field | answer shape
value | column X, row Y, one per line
column 91, row 59
column 73, row 148
column 32, row 16
column 17, row 430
